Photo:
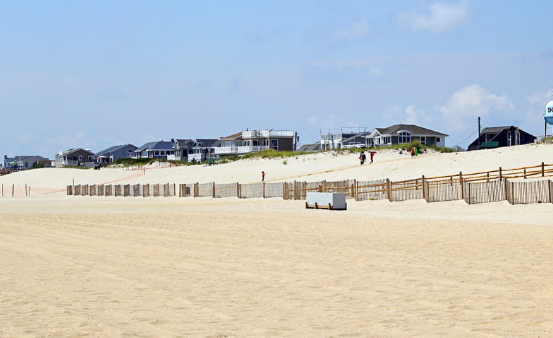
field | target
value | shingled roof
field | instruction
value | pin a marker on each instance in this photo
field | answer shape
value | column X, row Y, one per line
column 413, row 129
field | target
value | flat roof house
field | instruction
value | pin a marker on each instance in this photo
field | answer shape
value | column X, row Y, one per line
column 251, row 141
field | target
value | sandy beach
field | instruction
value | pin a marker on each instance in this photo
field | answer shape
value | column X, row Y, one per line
column 80, row 266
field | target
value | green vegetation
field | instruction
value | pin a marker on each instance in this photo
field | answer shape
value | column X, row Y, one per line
column 403, row 146
column 77, row 167
column 132, row 162
column 547, row 140
column 270, row 153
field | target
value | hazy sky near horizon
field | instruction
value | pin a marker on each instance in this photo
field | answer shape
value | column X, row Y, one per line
column 92, row 74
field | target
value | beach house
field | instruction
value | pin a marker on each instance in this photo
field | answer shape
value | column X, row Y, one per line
column 75, row 157
column 114, row 153
column 495, row 137
column 405, row 133
column 192, row 150
column 346, row 137
column 251, row 141
column 155, row 150
column 25, row 162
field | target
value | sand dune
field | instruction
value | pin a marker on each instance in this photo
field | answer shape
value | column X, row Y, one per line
column 77, row 266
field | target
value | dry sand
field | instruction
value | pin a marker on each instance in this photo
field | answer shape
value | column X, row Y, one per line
column 76, row 266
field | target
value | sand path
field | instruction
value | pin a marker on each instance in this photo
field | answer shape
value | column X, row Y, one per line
column 265, row 268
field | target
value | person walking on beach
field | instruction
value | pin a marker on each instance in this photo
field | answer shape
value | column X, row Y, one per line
column 262, row 176
column 371, row 154
column 362, row 158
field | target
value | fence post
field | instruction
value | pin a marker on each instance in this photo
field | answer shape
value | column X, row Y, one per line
column 542, row 169
column 13, row 190
column 355, row 184
column 263, row 189
column 469, row 202
column 237, row 189
column 506, row 190
column 389, row 189
column 284, row 191
column 196, row 189
column 213, row 189
column 461, row 181
column 524, row 173
column 424, row 188
column 500, row 174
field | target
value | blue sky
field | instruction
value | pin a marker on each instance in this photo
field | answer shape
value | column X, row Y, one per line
column 92, row 74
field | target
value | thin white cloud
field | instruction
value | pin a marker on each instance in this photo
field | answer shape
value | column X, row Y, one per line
column 312, row 120
column 340, row 33
column 437, row 17
column 541, row 97
column 358, row 30
column 409, row 115
column 466, row 104
column 344, row 70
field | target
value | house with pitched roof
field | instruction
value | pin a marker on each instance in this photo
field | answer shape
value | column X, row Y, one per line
column 75, row 157
column 25, row 162
column 155, row 150
column 114, row 153
column 405, row 133
column 193, row 150
column 494, row 137
column 251, row 141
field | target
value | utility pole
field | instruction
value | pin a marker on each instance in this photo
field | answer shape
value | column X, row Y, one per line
column 479, row 132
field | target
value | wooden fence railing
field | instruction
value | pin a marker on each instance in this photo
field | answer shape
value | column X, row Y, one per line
column 481, row 187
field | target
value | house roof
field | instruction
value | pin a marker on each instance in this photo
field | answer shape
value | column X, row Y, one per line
column 111, row 149
column 410, row 128
column 232, row 137
column 310, row 147
column 24, row 158
column 71, row 151
column 158, row 145
column 199, row 142
column 495, row 130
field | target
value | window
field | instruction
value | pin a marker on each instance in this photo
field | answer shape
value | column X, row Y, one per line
column 437, row 139
column 156, row 153
column 404, row 137
column 274, row 144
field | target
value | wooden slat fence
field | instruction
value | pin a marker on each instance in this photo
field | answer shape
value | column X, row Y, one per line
column 371, row 190
column 405, row 190
column 527, row 192
column 273, row 190
column 481, row 187
column 252, row 190
column 485, row 192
